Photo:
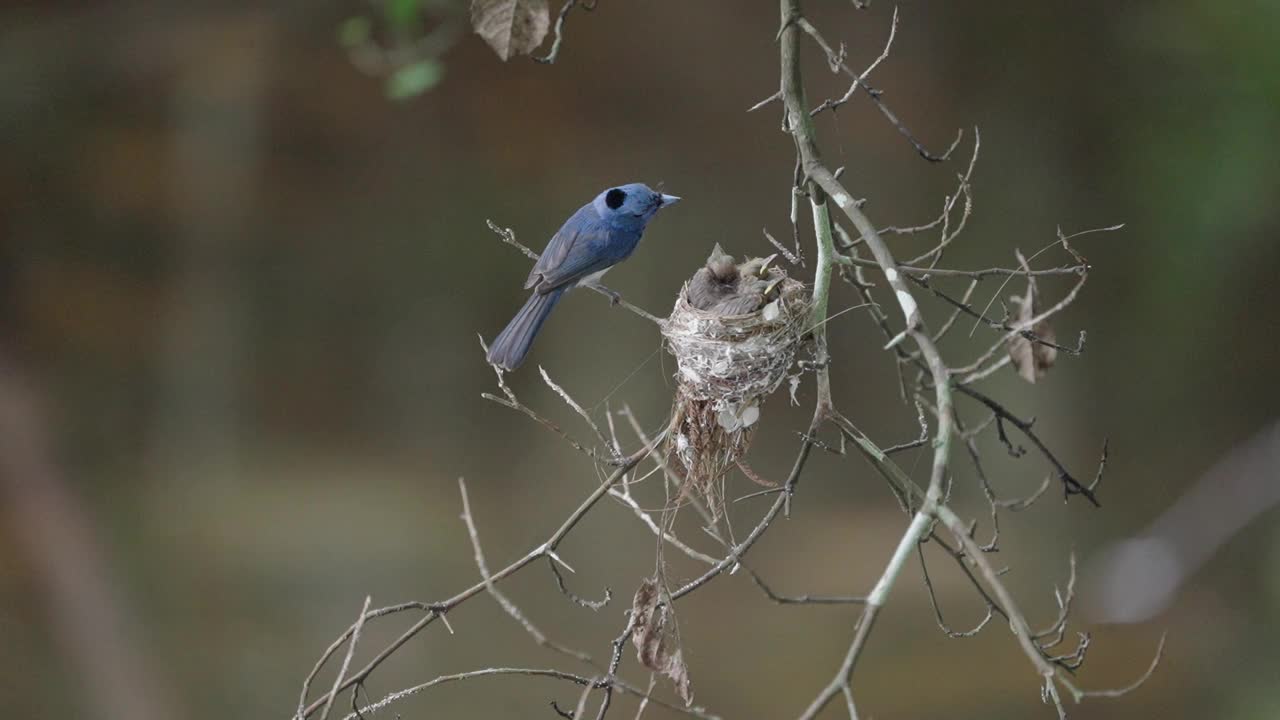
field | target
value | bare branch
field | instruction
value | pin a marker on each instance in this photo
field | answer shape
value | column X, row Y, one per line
column 937, row 610
column 582, row 602
column 438, row 609
column 509, row 607
column 1070, row 485
column 578, row 409
column 1120, row 692
column 859, row 81
column 913, row 343
column 803, row 599
column 554, row 52
column 795, row 258
column 586, row 682
column 965, row 308
column 346, row 661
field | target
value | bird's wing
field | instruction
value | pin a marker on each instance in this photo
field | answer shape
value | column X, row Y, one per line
column 739, row 304
column 580, row 248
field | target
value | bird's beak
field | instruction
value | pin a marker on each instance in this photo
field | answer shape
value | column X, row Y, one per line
column 669, row 200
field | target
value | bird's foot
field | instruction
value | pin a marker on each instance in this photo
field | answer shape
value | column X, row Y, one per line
column 614, row 297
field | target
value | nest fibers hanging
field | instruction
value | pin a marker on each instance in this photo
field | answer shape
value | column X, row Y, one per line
column 734, row 332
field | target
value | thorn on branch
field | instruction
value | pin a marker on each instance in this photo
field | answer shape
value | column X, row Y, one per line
column 577, row 600
column 777, row 95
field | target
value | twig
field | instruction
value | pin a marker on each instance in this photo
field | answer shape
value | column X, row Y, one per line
column 587, row 682
column 346, row 661
column 972, row 274
column 511, row 401
column 825, row 184
column 1025, row 332
column 740, row 549
column 1122, row 691
column 580, row 601
column 1070, row 485
column 509, row 607
column 795, row 258
column 937, row 610
column 803, row 599
column 554, row 52
column 438, row 609
column 578, row 409
column 859, row 82
column 949, row 234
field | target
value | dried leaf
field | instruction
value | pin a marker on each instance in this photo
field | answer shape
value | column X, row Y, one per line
column 1032, row 359
column 654, row 637
column 511, row 27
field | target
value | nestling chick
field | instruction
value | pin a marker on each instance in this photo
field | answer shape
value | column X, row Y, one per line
column 715, row 282
column 724, row 288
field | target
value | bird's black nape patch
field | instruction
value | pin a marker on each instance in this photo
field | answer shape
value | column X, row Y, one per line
column 614, row 198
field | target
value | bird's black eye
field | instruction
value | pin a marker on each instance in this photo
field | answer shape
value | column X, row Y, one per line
column 614, row 198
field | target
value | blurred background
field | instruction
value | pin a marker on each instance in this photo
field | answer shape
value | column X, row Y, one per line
column 244, row 264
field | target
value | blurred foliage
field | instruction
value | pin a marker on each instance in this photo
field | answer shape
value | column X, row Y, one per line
column 403, row 43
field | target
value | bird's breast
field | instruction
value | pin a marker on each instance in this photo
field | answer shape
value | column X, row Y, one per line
column 594, row 277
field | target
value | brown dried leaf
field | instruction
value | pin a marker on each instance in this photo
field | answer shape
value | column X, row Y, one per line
column 1032, row 359
column 654, row 637
column 511, row 27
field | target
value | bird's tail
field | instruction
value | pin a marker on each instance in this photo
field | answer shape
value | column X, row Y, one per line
column 512, row 344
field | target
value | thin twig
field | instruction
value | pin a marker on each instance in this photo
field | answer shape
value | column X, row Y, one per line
column 578, row 409
column 438, row 609
column 554, row 52
column 346, row 661
column 859, row 82
column 388, row 700
column 507, row 605
column 803, row 599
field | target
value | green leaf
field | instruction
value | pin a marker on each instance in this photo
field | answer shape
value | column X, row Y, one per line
column 354, row 31
column 414, row 79
column 402, row 14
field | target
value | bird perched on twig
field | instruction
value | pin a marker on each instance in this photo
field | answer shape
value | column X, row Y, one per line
column 601, row 234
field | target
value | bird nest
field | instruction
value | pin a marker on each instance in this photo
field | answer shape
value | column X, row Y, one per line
column 728, row 362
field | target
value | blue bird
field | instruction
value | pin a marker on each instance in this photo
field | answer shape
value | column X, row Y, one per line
column 603, row 233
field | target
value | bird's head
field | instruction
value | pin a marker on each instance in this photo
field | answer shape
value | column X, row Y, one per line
column 721, row 265
column 631, row 205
